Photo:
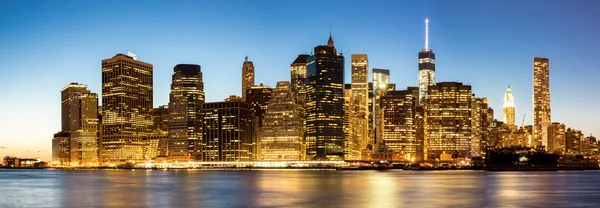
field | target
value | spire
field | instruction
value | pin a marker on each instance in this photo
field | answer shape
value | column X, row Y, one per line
column 330, row 41
column 426, row 33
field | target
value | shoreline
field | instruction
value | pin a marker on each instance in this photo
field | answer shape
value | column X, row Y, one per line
column 315, row 168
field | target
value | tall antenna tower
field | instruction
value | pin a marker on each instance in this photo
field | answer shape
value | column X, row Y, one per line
column 426, row 33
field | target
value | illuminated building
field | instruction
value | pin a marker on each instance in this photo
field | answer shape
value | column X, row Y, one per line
column 160, row 117
column 399, row 129
column 448, row 119
column 325, row 103
column 126, row 108
column 541, row 100
column 81, row 120
column 509, row 107
column 61, row 153
column 156, row 146
column 247, row 76
column 281, row 136
column 259, row 97
column 227, row 131
column 298, row 84
column 573, row 139
column 185, row 113
column 556, row 138
column 381, row 84
column 420, row 128
column 426, row 66
column 478, row 125
column 359, row 119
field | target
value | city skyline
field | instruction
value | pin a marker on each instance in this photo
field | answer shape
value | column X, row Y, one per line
column 269, row 70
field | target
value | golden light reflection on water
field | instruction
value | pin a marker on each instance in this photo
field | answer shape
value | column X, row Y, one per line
column 297, row 188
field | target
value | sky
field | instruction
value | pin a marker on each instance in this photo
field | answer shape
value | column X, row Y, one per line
column 44, row 45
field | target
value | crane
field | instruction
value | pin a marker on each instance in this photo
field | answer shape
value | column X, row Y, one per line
column 523, row 121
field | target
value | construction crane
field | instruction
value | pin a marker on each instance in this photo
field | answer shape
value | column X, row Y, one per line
column 523, row 121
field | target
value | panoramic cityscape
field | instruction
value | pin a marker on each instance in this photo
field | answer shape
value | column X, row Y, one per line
column 338, row 104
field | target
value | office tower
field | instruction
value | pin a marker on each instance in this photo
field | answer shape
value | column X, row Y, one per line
column 541, row 100
column 420, row 128
column 227, row 131
column 360, row 100
column 485, row 123
column 126, row 108
column 381, row 82
column 325, row 103
column 448, row 119
column 247, row 76
column 509, row 107
column 573, row 141
column 61, row 151
column 81, row 119
column 399, row 130
column 160, row 117
column 556, row 138
column 259, row 97
column 298, row 85
column 185, row 113
column 478, row 125
column 281, row 137
column 426, row 66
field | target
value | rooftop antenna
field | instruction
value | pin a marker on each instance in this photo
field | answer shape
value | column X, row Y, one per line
column 246, row 58
column 426, row 33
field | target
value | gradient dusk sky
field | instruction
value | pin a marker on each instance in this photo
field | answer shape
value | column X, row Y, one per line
column 44, row 45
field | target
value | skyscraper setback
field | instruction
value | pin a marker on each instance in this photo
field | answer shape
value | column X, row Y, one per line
column 509, row 107
column 426, row 66
column 126, row 108
column 185, row 113
column 325, row 103
column 541, row 100
column 247, row 76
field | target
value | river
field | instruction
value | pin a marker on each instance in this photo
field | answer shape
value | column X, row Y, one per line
column 297, row 188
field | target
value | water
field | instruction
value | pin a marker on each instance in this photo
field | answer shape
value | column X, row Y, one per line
column 297, row 188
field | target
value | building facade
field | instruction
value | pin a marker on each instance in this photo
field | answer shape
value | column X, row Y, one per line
column 160, row 117
column 541, row 100
column 247, row 76
column 185, row 113
column 399, row 129
column 509, row 107
column 258, row 96
column 227, row 131
column 448, row 120
column 127, row 96
column 80, row 121
column 556, row 138
column 360, row 100
column 281, row 137
column 426, row 66
column 325, row 103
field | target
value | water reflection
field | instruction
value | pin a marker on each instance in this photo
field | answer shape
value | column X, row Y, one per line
column 297, row 188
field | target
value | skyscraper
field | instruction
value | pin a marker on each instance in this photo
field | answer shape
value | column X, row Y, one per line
column 258, row 96
column 360, row 99
column 448, row 120
column 541, row 100
column 426, row 66
column 556, row 138
column 381, row 84
column 185, row 113
column 247, row 76
column 126, row 108
column 160, row 117
column 509, row 107
column 325, row 103
column 399, row 129
column 298, row 86
column 80, row 122
column 227, row 131
column 280, row 137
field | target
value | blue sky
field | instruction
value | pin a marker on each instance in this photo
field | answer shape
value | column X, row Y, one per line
column 44, row 45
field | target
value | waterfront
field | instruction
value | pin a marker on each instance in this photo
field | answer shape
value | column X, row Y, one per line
column 296, row 188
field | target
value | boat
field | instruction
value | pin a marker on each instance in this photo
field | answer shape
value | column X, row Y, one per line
column 382, row 165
